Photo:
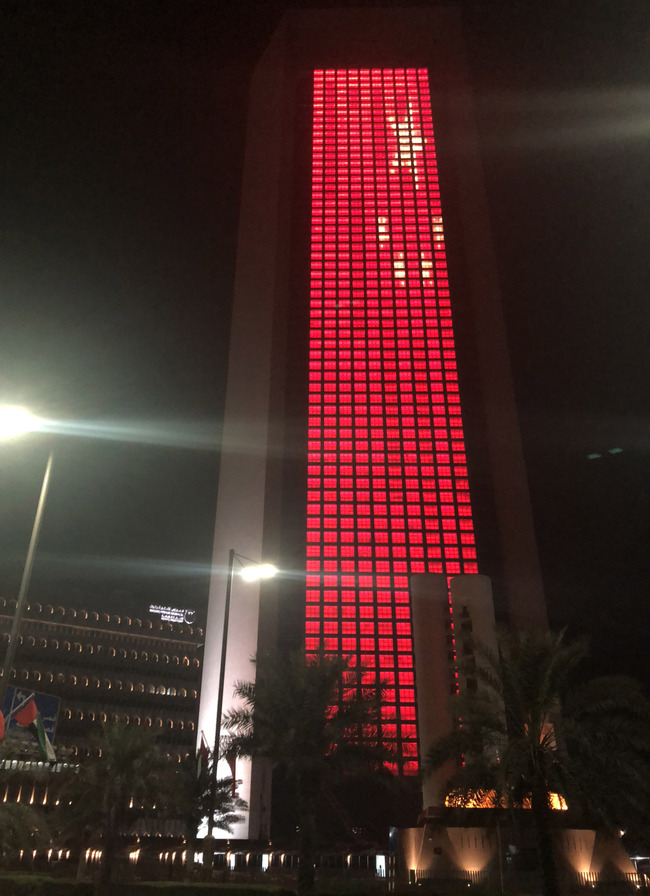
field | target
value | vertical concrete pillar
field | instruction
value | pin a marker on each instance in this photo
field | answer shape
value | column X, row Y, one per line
column 433, row 682
column 472, row 610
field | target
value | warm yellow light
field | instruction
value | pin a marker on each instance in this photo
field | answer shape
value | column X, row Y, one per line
column 486, row 799
column 15, row 421
column 480, row 799
column 258, row 571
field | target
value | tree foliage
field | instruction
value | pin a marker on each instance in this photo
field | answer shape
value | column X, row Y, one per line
column 127, row 777
column 529, row 731
column 23, row 827
column 194, row 803
column 314, row 717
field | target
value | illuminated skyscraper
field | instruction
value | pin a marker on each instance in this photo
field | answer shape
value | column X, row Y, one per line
column 344, row 455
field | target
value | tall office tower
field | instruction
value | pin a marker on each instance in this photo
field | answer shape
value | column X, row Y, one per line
column 344, row 454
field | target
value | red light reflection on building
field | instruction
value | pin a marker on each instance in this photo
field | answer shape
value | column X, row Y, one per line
column 387, row 479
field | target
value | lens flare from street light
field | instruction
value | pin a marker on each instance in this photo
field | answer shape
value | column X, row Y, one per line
column 259, row 571
column 16, row 421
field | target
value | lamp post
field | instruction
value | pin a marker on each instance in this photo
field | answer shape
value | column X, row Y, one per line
column 250, row 573
column 15, row 422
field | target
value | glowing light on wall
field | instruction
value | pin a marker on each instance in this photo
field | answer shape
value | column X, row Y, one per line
column 387, row 479
column 487, row 799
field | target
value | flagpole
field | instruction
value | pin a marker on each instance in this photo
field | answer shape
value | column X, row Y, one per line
column 222, row 676
column 16, row 709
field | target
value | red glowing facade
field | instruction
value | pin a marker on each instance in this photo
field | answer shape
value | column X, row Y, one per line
column 388, row 493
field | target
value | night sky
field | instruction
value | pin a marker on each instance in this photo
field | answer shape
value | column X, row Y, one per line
column 122, row 142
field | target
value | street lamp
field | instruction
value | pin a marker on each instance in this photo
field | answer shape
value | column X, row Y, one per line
column 251, row 571
column 16, row 421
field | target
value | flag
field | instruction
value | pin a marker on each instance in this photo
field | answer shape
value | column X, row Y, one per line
column 29, row 718
column 202, row 756
column 27, row 714
column 232, row 762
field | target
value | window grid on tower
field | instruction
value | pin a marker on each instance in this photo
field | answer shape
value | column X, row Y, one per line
column 387, row 480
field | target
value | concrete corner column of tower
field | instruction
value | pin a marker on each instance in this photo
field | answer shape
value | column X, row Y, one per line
column 472, row 609
column 439, row 650
column 434, row 681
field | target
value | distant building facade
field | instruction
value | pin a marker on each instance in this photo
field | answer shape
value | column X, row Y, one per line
column 104, row 666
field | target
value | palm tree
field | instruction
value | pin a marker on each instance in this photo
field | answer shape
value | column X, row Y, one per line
column 527, row 733
column 195, row 800
column 23, row 827
column 306, row 714
column 126, row 777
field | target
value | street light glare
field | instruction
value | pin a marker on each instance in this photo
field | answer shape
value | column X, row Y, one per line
column 250, row 573
column 259, row 571
column 15, row 421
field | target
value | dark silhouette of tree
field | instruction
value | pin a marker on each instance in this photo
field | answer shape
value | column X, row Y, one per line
column 306, row 714
column 528, row 732
column 127, row 777
column 23, row 827
column 193, row 805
